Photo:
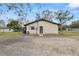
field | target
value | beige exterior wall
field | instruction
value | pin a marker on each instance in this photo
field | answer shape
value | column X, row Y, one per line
column 48, row 28
column 6, row 30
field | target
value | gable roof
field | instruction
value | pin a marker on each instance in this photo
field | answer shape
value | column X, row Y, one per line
column 41, row 20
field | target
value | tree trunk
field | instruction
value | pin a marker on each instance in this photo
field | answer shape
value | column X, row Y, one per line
column 61, row 30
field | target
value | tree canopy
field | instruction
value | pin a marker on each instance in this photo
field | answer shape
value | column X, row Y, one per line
column 13, row 24
column 45, row 14
column 63, row 16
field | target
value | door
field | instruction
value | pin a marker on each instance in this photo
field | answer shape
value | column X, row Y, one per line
column 41, row 29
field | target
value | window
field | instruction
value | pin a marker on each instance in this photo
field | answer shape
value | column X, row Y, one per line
column 32, row 28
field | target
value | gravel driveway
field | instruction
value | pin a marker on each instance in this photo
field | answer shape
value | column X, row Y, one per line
column 39, row 46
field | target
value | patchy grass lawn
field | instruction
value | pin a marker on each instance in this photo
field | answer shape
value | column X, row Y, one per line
column 71, row 33
column 65, row 33
column 10, row 34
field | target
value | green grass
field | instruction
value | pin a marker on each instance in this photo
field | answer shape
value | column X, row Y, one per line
column 71, row 33
column 9, row 34
column 65, row 33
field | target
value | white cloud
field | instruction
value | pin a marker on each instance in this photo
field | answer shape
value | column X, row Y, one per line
column 73, row 5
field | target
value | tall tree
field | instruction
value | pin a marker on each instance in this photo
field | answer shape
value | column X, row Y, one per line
column 45, row 14
column 63, row 16
column 20, row 9
column 38, row 16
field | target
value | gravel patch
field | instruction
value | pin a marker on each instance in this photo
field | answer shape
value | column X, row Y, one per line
column 39, row 46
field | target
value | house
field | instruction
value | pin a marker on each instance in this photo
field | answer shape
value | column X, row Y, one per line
column 5, row 29
column 74, row 29
column 42, row 26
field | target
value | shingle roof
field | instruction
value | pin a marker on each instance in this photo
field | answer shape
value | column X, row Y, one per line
column 41, row 20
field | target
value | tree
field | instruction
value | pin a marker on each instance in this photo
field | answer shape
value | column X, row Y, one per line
column 13, row 24
column 21, row 10
column 63, row 16
column 45, row 14
column 38, row 16
column 74, row 24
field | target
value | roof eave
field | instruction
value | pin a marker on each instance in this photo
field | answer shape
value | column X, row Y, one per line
column 41, row 20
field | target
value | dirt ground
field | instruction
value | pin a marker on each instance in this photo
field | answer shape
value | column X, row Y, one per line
column 39, row 46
